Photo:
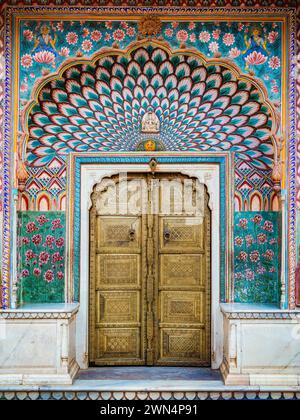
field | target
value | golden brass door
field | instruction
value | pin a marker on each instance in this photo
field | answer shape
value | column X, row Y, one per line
column 150, row 272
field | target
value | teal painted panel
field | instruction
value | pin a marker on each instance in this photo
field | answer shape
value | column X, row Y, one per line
column 41, row 256
column 256, row 257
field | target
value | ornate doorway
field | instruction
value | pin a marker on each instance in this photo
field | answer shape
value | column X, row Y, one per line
column 150, row 271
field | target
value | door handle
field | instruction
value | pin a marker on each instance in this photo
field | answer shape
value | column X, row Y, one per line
column 131, row 234
column 167, row 234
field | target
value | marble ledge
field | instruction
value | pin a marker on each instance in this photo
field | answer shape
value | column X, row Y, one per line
column 41, row 311
column 257, row 311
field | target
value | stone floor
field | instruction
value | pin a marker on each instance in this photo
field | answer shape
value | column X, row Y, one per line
column 141, row 373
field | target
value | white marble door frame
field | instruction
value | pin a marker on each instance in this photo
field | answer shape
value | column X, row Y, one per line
column 91, row 174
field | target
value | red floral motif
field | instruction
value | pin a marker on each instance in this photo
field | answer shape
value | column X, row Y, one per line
column 36, row 272
column 28, row 34
column 119, row 35
column 49, row 276
column 257, row 219
column 269, row 254
column 243, row 256
column 238, row 241
column 25, row 241
column 249, row 274
column 182, row 36
column 249, row 240
column 44, row 57
column 243, row 223
column 274, row 63
column 256, row 58
column 87, row 45
column 44, row 257
column 49, row 240
column 31, row 227
column 96, row 35
column 56, row 224
column 273, row 35
column 29, row 254
column 56, row 257
column 59, row 242
column 130, row 31
column 42, row 219
column 228, row 39
column 26, row 61
column 60, row 275
column 268, row 226
column 25, row 273
column 261, row 238
column 72, row 38
column 254, row 256
column 169, row 32
column 85, row 32
column 37, row 239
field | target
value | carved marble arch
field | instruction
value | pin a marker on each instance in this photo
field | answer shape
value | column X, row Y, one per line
column 202, row 104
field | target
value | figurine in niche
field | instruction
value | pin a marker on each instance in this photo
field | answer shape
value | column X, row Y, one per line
column 150, row 123
column 256, row 51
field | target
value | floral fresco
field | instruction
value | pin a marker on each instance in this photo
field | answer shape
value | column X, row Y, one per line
column 41, row 257
column 253, row 46
column 256, row 257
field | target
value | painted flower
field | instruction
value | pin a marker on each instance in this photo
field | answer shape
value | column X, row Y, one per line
column 191, row 26
column 25, row 273
column 193, row 38
column 169, row 32
column 56, row 224
column 28, row 35
column 174, row 25
column 204, row 36
column 36, row 272
column 257, row 219
column 240, row 27
column 182, row 36
column 44, row 257
column 37, row 239
column 24, row 87
column 273, row 35
column 249, row 240
column 243, row 223
column 49, row 240
column 44, row 57
column 261, row 238
column 249, row 274
column 130, row 31
column 108, row 24
column 273, row 241
column 49, row 276
column 96, row 35
column 25, row 240
column 261, row 269
column 272, row 270
column 42, row 219
column 254, row 256
column 124, row 25
column 275, row 89
column 64, row 52
column 274, row 63
column 59, row 242
column 85, row 32
column 243, row 256
column 56, row 257
column 213, row 47
column 238, row 241
column 234, row 52
column 29, row 254
column 87, row 45
column 119, row 35
column 268, row 226
column 72, row 38
column 228, row 39
column 216, row 34
column 269, row 254
column 238, row 276
column 60, row 275
column 107, row 37
column 26, row 61
column 31, row 227
column 256, row 58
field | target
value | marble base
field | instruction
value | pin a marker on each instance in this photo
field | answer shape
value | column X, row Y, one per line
column 37, row 345
column 261, row 347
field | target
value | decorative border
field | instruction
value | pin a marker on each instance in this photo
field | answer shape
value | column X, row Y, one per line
column 74, row 199
column 235, row 13
column 216, row 394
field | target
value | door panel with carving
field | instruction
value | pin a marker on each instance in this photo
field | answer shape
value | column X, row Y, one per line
column 150, row 279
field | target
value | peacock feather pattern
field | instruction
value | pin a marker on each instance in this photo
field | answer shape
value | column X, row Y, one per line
column 99, row 107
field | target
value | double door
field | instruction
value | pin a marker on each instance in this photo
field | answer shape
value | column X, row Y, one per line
column 150, row 272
